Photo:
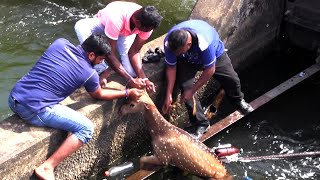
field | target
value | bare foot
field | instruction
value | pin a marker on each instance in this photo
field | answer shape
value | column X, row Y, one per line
column 44, row 173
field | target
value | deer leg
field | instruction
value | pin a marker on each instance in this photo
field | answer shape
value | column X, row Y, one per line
column 211, row 110
column 152, row 160
column 216, row 103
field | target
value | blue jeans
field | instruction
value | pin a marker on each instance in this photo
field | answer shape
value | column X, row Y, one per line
column 57, row 116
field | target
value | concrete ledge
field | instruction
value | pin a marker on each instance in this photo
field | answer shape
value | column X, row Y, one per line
column 24, row 146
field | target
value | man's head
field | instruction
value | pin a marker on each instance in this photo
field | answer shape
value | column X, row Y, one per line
column 179, row 41
column 97, row 47
column 148, row 18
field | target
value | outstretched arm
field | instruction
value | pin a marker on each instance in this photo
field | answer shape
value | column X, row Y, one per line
column 110, row 94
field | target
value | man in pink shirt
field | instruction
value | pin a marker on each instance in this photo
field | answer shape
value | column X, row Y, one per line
column 127, row 26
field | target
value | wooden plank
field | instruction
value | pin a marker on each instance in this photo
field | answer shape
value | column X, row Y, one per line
column 142, row 174
column 235, row 116
column 221, row 125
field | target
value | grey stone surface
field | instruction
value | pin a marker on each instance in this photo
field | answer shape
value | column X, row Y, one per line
column 246, row 26
column 302, row 23
column 24, row 147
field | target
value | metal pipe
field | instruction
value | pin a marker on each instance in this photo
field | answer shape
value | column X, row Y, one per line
column 279, row 156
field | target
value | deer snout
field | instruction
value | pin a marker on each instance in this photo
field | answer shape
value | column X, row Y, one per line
column 121, row 111
column 129, row 108
column 125, row 109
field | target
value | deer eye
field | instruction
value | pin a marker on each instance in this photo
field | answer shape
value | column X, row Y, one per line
column 131, row 105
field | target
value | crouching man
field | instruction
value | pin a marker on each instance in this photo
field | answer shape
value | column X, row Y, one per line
column 61, row 70
column 193, row 46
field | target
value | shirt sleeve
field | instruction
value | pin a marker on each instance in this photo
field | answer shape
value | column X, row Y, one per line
column 171, row 58
column 92, row 83
column 112, row 27
column 209, row 56
column 145, row 35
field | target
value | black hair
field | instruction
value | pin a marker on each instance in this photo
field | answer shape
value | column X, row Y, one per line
column 98, row 44
column 149, row 16
column 177, row 39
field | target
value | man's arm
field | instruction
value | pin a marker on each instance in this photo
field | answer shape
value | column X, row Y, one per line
column 114, row 62
column 135, row 57
column 204, row 78
column 171, row 78
column 110, row 94
column 116, row 65
column 136, row 62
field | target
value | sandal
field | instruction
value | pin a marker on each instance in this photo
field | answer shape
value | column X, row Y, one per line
column 153, row 56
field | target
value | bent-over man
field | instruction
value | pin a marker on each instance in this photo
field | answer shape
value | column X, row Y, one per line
column 127, row 26
column 193, row 46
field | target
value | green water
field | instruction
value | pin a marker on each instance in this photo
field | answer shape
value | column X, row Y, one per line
column 28, row 26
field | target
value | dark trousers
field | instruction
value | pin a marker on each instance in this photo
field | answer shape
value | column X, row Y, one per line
column 224, row 74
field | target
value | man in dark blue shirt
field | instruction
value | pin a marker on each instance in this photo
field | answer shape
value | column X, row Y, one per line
column 193, row 46
column 61, row 70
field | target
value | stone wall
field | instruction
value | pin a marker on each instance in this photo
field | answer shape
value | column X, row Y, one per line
column 246, row 26
column 302, row 23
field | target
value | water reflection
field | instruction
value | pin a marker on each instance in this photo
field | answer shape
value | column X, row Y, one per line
column 27, row 30
column 271, row 142
column 280, row 127
column 28, row 27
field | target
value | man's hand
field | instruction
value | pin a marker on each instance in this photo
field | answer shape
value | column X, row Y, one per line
column 167, row 105
column 150, row 86
column 135, row 94
column 103, row 83
column 137, row 83
column 103, row 77
column 186, row 96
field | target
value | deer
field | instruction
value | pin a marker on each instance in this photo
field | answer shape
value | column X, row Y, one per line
column 172, row 145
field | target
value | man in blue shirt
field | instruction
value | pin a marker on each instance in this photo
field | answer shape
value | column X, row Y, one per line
column 193, row 46
column 61, row 70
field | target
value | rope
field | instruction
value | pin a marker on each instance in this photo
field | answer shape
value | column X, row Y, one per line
column 194, row 110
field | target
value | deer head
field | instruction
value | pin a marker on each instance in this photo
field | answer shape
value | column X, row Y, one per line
column 131, row 107
column 136, row 106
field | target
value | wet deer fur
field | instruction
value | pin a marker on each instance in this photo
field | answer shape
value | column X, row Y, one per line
column 172, row 145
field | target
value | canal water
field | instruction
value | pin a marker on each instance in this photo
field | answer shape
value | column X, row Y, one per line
column 29, row 26
column 289, row 123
